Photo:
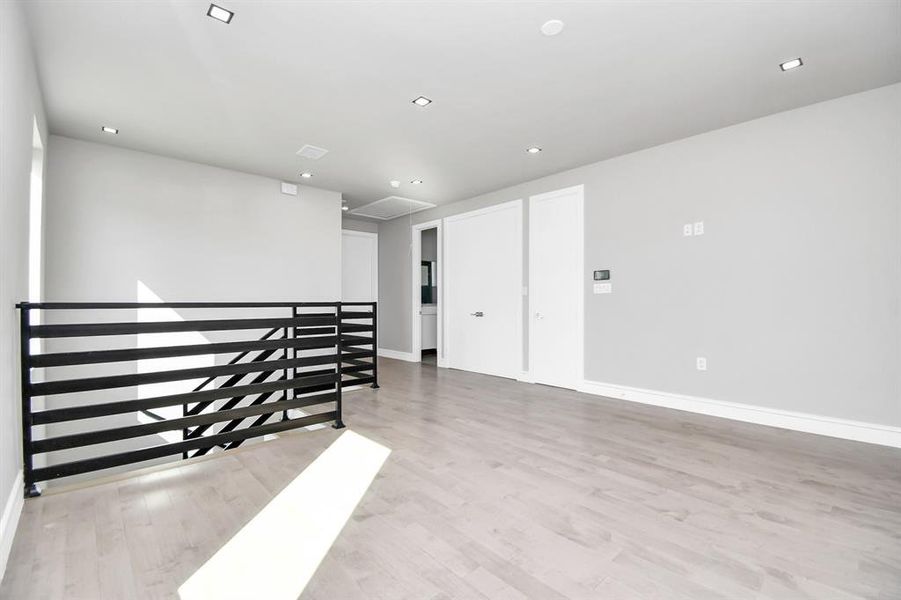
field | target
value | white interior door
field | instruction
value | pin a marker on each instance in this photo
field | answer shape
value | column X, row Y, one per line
column 555, row 287
column 483, row 287
column 359, row 266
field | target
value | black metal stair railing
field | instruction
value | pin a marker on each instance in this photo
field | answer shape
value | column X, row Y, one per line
column 269, row 378
column 230, row 382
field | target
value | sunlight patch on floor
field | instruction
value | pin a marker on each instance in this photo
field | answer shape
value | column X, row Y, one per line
column 278, row 551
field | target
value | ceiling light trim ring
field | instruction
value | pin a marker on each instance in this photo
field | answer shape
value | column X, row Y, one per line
column 789, row 65
column 215, row 12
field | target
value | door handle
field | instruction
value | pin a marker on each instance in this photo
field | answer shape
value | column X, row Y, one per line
column 477, row 314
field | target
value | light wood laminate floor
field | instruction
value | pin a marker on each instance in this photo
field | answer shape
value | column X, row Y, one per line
column 499, row 489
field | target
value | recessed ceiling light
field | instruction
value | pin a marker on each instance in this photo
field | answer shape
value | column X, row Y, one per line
column 220, row 14
column 394, row 183
column 552, row 27
column 422, row 101
column 345, row 207
column 106, row 129
column 416, row 181
column 533, row 150
column 306, row 175
column 791, row 64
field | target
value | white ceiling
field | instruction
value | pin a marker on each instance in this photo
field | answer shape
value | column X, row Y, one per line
column 341, row 75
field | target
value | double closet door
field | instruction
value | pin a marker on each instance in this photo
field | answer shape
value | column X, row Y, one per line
column 487, row 306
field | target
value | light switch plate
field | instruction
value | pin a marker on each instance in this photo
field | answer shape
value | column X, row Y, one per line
column 687, row 230
column 603, row 288
column 699, row 228
column 701, row 363
column 289, row 189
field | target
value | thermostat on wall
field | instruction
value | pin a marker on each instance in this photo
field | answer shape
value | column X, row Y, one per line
column 602, row 275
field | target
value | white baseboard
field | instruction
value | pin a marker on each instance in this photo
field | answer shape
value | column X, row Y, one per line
column 10, row 520
column 525, row 377
column 859, row 431
column 396, row 354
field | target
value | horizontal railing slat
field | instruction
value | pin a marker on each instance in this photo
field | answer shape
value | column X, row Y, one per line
column 123, row 458
column 67, row 386
column 59, row 415
column 346, row 315
column 200, row 430
column 233, row 401
column 101, row 436
column 345, row 327
column 133, row 328
column 120, row 305
column 359, row 361
column 356, row 340
column 127, row 354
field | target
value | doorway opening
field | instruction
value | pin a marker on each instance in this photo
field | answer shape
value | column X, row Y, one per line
column 427, row 293
column 36, row 265
column 359, row 266
column 36, row 221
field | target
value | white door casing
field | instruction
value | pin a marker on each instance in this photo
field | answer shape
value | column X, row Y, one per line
column 483, row 274
column 556, row 291
column 416, row 298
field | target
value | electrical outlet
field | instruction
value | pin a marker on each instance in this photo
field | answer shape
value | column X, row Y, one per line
column 699, row 228
column 701, row 363
column 687, row 230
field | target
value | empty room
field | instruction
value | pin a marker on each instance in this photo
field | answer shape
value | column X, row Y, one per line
column 535, row 300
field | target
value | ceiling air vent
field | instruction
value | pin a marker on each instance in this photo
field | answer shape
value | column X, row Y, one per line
column 391, row 207
column 314, row 152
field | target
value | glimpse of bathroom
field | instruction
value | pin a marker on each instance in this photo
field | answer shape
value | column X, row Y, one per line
column 429, row 286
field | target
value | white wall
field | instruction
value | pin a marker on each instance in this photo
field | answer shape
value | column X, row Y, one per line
column 793, row 294
column 187, row 231
column 360, row 225
column 20, row 104
column 130, row 226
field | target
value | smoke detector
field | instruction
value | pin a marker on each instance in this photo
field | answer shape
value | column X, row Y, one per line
column 552, row 27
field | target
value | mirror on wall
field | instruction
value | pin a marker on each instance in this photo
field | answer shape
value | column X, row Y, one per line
column 427, row 281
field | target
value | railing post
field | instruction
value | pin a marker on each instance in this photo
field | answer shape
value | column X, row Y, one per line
column 290, row 333
column 375, row 346
column 184, row 432
column 339, row 367
column 31, row 488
